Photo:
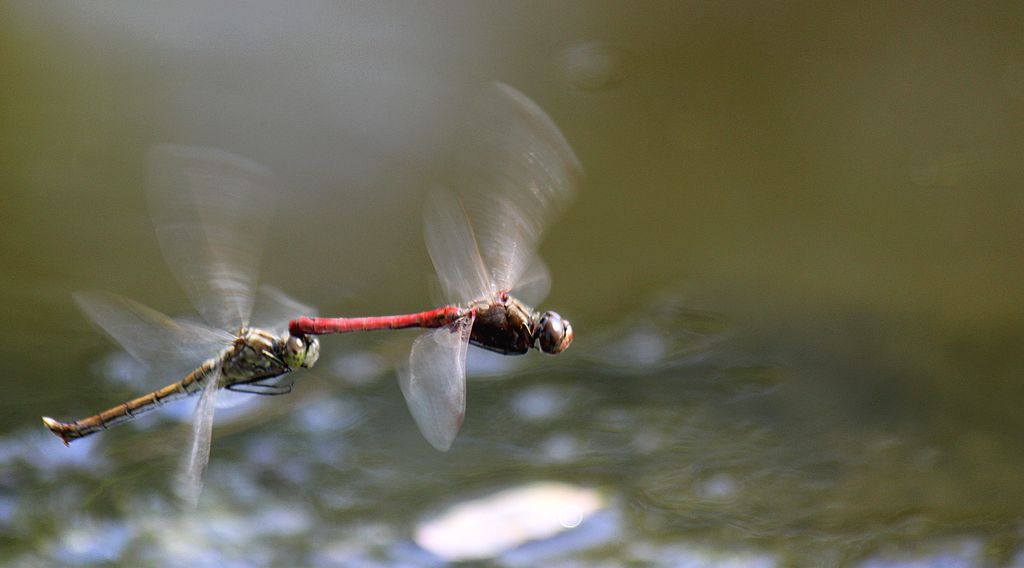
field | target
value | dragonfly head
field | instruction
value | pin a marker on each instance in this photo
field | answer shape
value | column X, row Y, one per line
column 554, row 334
column 301, row 351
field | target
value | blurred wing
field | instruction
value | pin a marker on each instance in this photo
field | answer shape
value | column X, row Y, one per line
column 453, row 250
column 198, row 455
column 274, row 309
column 535, row 283
column 434, row 385
column 150, row 336
column 210, row 209
column 515, row 174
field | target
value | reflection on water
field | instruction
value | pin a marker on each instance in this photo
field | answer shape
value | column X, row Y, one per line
column 700, row 455
column 490, row 526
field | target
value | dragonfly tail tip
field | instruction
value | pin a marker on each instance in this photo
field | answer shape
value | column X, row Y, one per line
column 57, row 428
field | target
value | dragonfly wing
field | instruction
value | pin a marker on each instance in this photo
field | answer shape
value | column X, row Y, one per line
column 535, row 282
column 150, row 336
column 515, row 173
column 453, row 250
column 210, row 209
column 434, row 385
column 198, row 454
column 274, row 309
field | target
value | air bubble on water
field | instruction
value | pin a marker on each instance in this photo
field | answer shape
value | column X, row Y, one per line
column 570, row 517
column 595, row 65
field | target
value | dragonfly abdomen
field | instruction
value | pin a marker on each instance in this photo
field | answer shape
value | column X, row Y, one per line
column 430, row 319
column 190, row 385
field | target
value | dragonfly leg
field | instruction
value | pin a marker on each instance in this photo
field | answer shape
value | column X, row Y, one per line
column 262, row 388
column 273, row 357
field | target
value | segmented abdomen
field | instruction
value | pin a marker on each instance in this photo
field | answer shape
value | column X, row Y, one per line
column 190, row 385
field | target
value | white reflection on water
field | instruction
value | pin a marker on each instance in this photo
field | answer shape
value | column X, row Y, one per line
column 493, row 525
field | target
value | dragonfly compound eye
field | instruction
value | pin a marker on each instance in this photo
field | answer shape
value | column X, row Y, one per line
column 300, row 351
column 554, row 333
column 294, row 352
column 312, row 352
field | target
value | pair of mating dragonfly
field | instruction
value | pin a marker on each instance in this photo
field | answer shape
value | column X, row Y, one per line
column 210, row 209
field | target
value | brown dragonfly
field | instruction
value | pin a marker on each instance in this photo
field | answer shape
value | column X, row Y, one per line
column 211, row 210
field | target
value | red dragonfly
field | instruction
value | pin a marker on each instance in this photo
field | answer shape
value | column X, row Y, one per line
column 514, row 175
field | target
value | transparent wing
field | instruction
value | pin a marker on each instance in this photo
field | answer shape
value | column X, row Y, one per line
column 274, row 309
column 210, row 210
column 515, row 173
column 190, row 481
column 150, row 336
column 453, row 250
column 434, row 385
column 535, row 282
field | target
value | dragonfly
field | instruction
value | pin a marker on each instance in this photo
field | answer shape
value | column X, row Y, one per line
column 514, row 173
column 210, row 209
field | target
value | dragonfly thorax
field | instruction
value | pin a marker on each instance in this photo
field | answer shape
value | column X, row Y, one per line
column 253, row 355
column 508, row 326
column 503, row 325
column 257, row 354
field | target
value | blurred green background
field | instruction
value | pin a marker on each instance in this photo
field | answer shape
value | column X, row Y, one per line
column 793, row 269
